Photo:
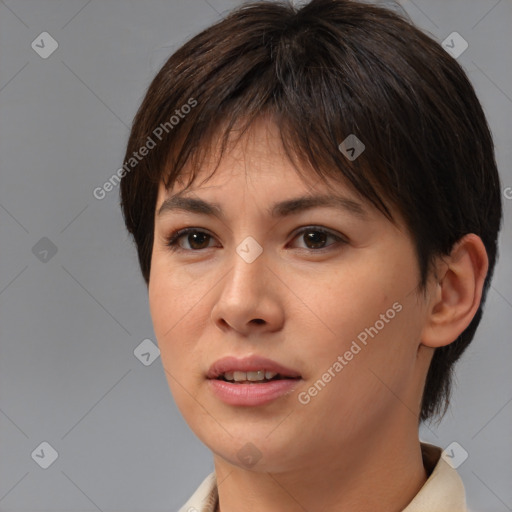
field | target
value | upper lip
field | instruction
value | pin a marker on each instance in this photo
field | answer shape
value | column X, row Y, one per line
column 248, row 364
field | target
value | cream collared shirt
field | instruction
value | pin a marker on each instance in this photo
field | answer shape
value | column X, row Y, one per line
column 442, row 492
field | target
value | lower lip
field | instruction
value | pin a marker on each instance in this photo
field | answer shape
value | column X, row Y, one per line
column 252, row 394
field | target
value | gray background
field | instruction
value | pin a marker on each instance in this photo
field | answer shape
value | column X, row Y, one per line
column 71, row 321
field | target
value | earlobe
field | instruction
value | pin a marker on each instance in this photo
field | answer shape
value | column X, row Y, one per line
column 456, row 293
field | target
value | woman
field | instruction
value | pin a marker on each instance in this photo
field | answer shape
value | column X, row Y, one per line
column 315, row 203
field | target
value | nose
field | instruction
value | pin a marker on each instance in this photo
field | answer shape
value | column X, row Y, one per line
column 249, row 297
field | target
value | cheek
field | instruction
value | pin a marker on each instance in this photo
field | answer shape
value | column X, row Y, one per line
column 173, row 296
column 171, row 305
column 371, row 321
column 180, row 309
column 173, row 324
column 348, row 310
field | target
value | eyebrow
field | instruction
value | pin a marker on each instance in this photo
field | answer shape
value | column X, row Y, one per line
column 278, row 210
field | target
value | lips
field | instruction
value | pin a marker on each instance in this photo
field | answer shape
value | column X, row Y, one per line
column 251, row 393
column 250, row 364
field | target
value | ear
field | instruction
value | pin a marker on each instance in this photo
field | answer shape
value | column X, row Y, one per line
column 456, row 293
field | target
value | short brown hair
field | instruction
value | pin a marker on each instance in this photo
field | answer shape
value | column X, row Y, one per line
column 324, row 71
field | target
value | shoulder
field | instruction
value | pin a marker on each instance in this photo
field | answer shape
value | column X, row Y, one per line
column 204, row 498
column 443, row 491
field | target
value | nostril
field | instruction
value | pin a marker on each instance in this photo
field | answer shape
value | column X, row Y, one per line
column 258, row 321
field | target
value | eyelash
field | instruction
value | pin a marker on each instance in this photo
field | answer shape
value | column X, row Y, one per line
column 173, row 238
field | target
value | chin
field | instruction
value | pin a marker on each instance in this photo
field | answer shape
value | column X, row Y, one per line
column 255, row 449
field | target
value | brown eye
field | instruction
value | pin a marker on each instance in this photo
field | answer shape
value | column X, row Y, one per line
column 315, row 239
column 196, row 239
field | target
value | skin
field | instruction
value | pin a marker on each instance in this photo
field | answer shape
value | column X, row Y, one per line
column 355, row 445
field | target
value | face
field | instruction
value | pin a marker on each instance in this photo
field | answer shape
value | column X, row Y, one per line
column 328, row 292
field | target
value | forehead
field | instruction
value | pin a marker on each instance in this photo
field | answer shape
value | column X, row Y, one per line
column 255, row 160
column 259, row 155
column 275, row 185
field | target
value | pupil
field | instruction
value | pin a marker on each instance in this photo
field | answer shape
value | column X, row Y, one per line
column 314, row 236
column 194, row 236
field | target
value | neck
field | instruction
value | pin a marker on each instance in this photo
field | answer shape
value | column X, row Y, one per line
column 378, row 472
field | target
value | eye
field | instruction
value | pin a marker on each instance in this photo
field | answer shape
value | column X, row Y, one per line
column 314, row 237
column 195, row 237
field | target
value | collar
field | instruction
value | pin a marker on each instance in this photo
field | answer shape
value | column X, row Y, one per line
column 442, row 492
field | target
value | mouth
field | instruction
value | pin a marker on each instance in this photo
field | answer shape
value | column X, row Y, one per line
column 254, row 377
column 251, row 381
column 252, row 369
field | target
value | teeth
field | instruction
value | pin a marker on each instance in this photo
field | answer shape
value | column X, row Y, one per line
column 249, row 376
